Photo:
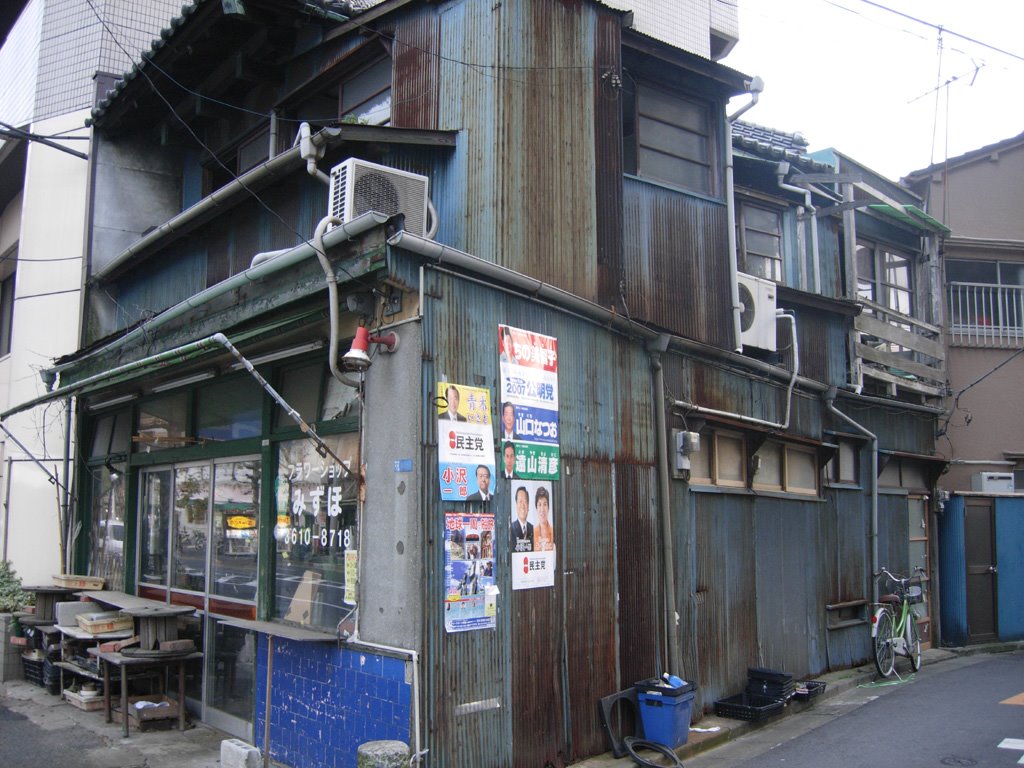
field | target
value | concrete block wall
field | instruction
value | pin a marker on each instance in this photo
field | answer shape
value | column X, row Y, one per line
column 326, row 701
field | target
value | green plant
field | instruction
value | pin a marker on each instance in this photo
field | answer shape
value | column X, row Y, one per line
column 11, row 594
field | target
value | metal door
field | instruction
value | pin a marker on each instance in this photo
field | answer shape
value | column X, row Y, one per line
column 980, row 555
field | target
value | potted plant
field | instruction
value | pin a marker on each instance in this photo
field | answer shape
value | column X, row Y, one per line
column 11, row 599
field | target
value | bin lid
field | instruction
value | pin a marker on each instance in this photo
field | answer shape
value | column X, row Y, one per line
column 655, row 686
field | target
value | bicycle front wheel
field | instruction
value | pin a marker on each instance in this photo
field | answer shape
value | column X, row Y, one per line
column 913, row 643
column 885, row 652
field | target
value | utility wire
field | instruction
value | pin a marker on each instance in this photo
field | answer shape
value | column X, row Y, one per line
column 956, row 399
column 199, row 141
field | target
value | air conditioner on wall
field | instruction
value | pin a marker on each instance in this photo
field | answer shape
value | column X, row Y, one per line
column 757, row 319
column 358, row 187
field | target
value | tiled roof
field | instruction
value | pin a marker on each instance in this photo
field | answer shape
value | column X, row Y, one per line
column 774, row 144
column 350, row 7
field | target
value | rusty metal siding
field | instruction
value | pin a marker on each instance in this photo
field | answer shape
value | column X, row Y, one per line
column 822, row 338
column 846, row 522
column 416, row 67
column 608, row 161
column 714, row 383
column 676, row 269
column 517, row 78
column 555, row 651
column 908, row 431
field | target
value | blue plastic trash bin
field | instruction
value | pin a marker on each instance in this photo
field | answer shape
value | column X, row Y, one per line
column 664, row 711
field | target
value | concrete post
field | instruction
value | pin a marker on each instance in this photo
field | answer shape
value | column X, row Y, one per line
column 382, row 754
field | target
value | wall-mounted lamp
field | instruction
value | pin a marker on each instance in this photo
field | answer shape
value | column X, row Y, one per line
column 114, row 474
column 357, row 358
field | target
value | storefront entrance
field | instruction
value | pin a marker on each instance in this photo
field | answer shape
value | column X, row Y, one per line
column 198, row 546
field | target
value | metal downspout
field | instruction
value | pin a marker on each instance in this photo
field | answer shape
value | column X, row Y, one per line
column 656, row 347
column 332, row 297
column 780, row 171
column 754, row 87
column 830, row 403
column 69, row 543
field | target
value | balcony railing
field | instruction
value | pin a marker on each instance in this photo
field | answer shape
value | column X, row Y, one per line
column 985, row 315
column 901, row 351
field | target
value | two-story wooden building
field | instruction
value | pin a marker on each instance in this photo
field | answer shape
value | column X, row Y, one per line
column 710, row 478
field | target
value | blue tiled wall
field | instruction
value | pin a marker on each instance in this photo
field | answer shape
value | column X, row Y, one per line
column 326, row 701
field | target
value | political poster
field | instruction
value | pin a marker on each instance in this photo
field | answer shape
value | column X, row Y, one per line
column 470, row 600
column 465, row 443
column 528, row 415
column 532, row 535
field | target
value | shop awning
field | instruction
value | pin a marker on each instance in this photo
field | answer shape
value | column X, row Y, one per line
column 912, row 215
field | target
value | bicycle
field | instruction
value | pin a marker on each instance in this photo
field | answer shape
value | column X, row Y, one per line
column 894, row 622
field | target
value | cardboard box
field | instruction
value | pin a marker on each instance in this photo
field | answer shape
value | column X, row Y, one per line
column 85, row 703
column 109, row 621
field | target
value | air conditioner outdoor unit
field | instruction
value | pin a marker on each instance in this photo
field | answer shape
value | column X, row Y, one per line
column 992, row 482
column 358, row 187
column 757, row 319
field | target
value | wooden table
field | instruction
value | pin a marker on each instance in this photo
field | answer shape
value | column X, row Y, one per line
column 47, row 598
column 126, row 663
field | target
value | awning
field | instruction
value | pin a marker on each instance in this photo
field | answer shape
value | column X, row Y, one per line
column 912, row 215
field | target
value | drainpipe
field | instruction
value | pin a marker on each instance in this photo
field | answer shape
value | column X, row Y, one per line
column 793, row 376
column 66, row 498
column 754, row 88
column 332, row 297
column 311, row 149
column 780, row 171
column 830, row 402
column 656, row 347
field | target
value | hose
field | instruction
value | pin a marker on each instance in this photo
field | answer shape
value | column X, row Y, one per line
column 632, row 744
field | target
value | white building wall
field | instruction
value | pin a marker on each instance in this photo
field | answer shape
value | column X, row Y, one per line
column 686, row 24
column 19, row 66
column 46, row 325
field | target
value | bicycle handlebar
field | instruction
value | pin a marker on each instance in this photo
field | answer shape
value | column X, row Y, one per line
column 903, row 583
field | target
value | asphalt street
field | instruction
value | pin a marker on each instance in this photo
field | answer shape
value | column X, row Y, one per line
column 957, row 713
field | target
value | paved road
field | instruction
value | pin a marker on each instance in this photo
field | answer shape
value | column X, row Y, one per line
column 955, row 714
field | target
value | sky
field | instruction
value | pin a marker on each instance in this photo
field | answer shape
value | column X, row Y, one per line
column 876, row 85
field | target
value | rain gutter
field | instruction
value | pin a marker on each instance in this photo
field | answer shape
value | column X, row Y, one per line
column 279, row 261
column 286, row 162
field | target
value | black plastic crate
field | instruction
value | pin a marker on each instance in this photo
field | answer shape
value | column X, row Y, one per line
column 748, row 706
column 33, row 669
column 769, row 675
column 808, row 689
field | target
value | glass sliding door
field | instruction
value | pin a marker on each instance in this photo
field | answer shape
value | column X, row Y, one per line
column 198, row 546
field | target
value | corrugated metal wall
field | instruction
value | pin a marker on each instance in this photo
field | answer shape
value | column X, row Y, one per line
column 556, row 651
column 675, row 273
column 524, row 175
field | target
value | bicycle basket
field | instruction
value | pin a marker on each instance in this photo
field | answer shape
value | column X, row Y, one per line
column 915, row 594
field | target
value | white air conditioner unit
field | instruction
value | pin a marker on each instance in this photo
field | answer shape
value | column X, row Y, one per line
column 992, row 482
column 757, row 319
column 358, row 187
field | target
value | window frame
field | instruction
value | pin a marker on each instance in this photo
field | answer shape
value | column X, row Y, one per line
column 742, row 227
column 877, row 288
column 705, row 133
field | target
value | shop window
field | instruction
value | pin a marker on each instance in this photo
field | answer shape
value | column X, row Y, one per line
column 106, row 540
column 235, row 530
column 112, row 434
column 229, row 410
column 316, row 537
column 300, row 386
column 163, row 423
column 191, row 524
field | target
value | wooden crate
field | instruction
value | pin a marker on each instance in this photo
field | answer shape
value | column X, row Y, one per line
column 150, row 718
column 109, row 621
column 81, row 582
column 86, row 703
